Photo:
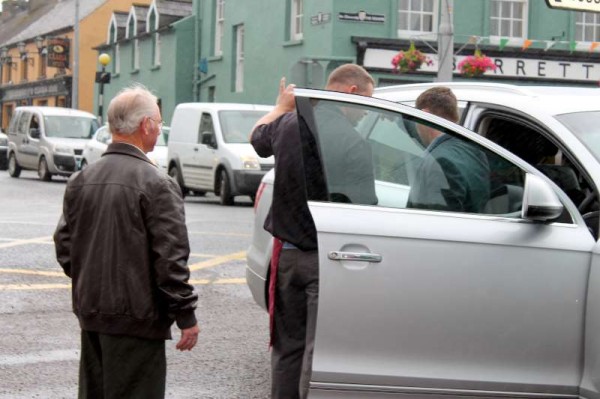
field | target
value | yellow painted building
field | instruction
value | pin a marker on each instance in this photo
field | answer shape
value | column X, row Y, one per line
column 27, row 76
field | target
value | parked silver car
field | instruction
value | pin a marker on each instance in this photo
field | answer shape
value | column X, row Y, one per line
column 414, row 302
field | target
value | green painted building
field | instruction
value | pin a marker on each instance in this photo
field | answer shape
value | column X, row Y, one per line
column 237, row 50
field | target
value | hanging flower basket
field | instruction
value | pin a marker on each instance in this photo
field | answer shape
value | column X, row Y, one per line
column 409, row 60
column 476, row 65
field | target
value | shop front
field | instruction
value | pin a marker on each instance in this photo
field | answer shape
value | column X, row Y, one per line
column 55, row 92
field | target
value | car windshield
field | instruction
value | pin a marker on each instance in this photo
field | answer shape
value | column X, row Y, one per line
column 586, row 126
column 70, row 127
column 237, row 125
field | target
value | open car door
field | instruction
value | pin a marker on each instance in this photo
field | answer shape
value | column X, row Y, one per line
column 424, row 293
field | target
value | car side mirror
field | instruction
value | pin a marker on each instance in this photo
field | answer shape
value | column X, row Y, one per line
column 540, row 202
column 34, row 133
column 208, row 138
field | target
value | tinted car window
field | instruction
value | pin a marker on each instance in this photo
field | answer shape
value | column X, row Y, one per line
column 73, row 127
column 368, row 151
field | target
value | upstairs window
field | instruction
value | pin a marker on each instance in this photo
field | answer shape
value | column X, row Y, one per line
column 296, row 18
column 417, row 17
column 239, row 59
column 508, row 18
column 587, row 26
column 219, row 26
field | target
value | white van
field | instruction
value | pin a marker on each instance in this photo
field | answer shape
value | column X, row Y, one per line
column 209, row 149
column 48, row 139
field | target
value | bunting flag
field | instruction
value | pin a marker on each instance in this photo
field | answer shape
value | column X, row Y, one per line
column 473, row 40
column 526, row 44
column 593, row 46
column 503, row 43
column 549, row 44
column 573, row 45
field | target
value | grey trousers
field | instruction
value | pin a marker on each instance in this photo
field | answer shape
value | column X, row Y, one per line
column 295, row 318
column 117, row 367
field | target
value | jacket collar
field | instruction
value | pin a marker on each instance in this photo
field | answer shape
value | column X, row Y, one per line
column 127, row 149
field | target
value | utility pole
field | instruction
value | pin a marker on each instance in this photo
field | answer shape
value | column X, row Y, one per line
column 75, row 82
column 446, row 42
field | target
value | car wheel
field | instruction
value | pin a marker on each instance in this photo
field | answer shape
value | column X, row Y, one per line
column 14, row 170
column 83, row 164
column 174, row 173
column 225, row 190
column 43, row 172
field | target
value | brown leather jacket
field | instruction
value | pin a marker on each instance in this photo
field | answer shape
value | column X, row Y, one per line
column 123, row 241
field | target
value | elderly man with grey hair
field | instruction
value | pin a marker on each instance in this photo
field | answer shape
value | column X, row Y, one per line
column 123, row 241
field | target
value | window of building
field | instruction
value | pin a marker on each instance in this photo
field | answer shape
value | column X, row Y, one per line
column 219, row 26
column 587, row 26
column 153, row 27
column 417, row 16
column 239, row 58
column 296, row 18
column 508, row 18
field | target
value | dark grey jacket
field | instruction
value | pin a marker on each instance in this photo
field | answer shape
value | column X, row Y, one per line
column 123, row 241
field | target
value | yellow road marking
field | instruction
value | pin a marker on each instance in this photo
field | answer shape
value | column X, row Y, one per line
column 39, row 240
column 34, row 272
column 22, row 287
column 218, row 260
column 192, row 255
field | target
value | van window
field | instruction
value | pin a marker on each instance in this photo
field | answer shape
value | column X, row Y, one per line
column 12, row 127
column 71, row 127
column 237, row 125
column 206, row 125
column 24, row 123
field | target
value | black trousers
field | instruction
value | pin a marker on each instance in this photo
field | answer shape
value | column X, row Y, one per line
column 118, row 367
column 295, row 318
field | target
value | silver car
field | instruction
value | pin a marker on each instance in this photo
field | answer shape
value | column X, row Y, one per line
column 414, row 302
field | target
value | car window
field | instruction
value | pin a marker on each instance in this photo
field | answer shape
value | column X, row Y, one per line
column 104, row 136
column 534, row 146
column 72, row 127
column 236, row 125
column 380, row 158
column 14, row 120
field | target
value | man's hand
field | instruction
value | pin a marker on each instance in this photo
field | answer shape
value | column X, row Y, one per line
column 285, row 103
column 285, row 100
column 189, row 337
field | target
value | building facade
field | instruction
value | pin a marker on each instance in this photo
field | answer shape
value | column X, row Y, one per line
column 37, row 52
column 153, row 45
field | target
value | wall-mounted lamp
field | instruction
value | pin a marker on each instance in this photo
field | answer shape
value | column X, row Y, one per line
column 23, row 51
column 6, row 59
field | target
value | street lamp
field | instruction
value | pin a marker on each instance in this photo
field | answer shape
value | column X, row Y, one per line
column 102, row 77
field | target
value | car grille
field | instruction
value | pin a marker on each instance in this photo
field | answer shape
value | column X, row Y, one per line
column 78, row 152
column 266, row 168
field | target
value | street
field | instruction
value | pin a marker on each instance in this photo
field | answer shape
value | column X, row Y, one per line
column 39, row 350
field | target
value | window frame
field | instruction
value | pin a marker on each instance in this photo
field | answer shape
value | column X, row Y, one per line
column 219, row 27
column 404, row 33
column 524, row 19
column 296, row 20
column 580, row 35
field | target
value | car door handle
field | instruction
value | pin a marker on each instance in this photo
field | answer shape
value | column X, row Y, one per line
column 355, row 256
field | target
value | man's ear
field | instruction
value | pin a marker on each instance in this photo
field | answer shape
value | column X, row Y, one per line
column 352, row 89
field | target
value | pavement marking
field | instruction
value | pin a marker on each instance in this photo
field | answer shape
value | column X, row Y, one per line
column 217, row 260
column 193, row 255
column 37, row 287
column 38, row 240
column 40, row 357
column 33, row 272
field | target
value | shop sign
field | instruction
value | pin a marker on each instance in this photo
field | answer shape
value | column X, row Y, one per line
column 58, row 52
column 320, row 18
column 361, row 16
column 579, row 5
column 510, row 67
column 21, row 93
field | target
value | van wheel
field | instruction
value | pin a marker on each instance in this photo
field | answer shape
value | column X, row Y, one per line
column 14, row 170
column 174, row 173
column 43, row 172
column 225, row 190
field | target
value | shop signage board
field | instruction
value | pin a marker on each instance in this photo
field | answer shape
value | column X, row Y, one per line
column 58, row 52
column 578, row 5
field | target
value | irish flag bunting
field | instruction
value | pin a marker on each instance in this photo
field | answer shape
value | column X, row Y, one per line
column 526, row 44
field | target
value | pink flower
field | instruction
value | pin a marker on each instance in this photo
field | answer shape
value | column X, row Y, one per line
column 410, row 60
column 475, row 65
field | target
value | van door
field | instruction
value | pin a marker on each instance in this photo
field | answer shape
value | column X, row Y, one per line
column 27, row 147
column 206, row 156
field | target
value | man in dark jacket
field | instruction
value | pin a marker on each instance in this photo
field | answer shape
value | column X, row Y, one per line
column 454, row 174
column 295, row 269
column 123, row 241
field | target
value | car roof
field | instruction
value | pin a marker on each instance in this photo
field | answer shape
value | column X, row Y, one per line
column 550, row 100
column 58, row 111
column 226, row 106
